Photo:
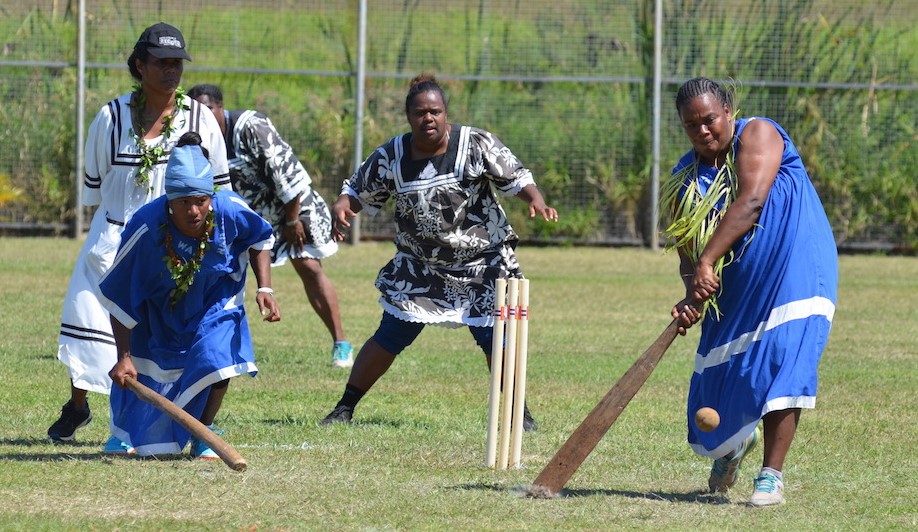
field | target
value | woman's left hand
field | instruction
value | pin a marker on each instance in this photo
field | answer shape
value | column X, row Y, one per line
column 531, row 195
column 704, row 284
column 295, row 235
column 549, row 214
column 268, row 306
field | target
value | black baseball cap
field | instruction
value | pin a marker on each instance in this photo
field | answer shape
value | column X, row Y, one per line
column 163, row 41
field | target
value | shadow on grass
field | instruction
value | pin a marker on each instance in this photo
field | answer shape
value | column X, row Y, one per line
column 362, row 422
column 393, row 424
column 289, row 420
column 31, row 442
column 698, row 496
column 73, row 451
column 380, row 423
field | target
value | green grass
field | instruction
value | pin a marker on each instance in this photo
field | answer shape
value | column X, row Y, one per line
column 415, row 458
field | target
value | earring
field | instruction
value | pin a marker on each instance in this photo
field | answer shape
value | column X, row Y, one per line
column 170, row 210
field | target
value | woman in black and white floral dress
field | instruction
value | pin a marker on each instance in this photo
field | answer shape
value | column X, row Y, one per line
column 453, row 238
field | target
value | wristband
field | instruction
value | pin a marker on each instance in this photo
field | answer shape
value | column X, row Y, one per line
column 265, row 290
column 291, row 223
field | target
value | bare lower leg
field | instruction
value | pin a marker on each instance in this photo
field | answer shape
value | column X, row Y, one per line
column 77, row 396
column 372, row 362
column 321, row 295
column 780, row 427
column 214, row 402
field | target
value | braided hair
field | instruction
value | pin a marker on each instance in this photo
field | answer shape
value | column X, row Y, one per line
column 696, row 87
column 141, row 53
column 423, row 83
column 192, row 138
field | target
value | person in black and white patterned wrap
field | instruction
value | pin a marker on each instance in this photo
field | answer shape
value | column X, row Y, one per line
column 268, row 175
column 453, row 239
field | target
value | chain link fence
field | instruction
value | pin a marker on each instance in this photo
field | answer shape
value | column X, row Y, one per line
column 568, row 85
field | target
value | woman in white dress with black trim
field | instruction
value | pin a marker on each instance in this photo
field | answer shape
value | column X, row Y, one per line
column 128, row 145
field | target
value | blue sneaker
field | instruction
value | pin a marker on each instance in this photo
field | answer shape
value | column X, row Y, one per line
column 725, row 470
column 201, row 450
column 342, row 355
column 116, row 446
column 769, row 490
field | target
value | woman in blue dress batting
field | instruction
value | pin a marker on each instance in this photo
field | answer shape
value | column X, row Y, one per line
column 760, row 267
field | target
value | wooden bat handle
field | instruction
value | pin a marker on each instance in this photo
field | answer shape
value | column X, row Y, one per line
column 197, row 429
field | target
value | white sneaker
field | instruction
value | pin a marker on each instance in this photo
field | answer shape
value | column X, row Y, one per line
column 768, row 491
column 725, row 470
column 342, row 355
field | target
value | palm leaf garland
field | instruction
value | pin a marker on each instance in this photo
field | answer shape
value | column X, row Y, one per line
column 693, row 215
column 151, row 155
column 182, row 271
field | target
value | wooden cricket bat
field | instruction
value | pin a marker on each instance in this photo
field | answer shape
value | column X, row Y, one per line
column 197, row 429
column 584, row 439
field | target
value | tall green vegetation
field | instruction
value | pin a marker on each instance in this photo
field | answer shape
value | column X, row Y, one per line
column 587, row 140
column 36, row 110
column 854, row 142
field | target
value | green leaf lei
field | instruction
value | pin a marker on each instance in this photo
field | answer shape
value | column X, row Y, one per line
column 182, row 271
column 694, row 217
column 150, row 155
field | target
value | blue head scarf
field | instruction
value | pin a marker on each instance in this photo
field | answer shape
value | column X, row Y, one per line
column 188, row 173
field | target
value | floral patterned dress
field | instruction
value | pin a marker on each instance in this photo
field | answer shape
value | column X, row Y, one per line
column 268, row 175
column 452, row 235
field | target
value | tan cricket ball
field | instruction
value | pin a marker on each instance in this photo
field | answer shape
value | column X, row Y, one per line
column 707, row 419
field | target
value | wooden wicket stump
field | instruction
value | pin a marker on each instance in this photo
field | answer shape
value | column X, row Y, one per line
column 507, row 393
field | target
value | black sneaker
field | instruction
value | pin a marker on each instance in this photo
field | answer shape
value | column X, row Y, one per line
column 64, row 429
column 529, row 423
column 341, row 414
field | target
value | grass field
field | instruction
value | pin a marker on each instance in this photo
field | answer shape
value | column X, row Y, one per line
column 414, row 460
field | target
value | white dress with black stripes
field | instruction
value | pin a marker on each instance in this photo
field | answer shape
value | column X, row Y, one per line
column 86, row 345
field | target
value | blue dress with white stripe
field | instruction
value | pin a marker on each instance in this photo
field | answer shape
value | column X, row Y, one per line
column 777, row 302
column 180, row 351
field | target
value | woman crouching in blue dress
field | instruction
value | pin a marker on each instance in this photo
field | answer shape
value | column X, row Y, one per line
column 175, row 294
